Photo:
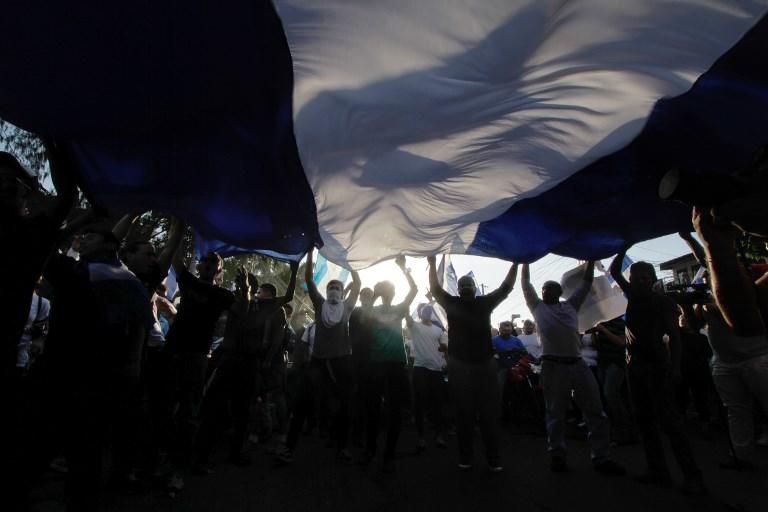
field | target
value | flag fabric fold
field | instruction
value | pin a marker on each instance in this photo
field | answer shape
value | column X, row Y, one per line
column 500, row 128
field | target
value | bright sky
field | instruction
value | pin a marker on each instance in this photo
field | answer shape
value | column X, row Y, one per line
column 490, row 272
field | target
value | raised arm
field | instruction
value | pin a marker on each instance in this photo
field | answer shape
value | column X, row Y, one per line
column 354, row 290
column 172, row 244
column 511, row 277
column 498, row 295
column 577, row 298
column 309, row 267
column 288, row 297
column 696, row 248
column 732, row 287
column 62, row 175
column 242, row 292
column 435, row 289
column 178, row 260
column 413, row 289
column 125, row 225
column 616, row 274
column 529, row 292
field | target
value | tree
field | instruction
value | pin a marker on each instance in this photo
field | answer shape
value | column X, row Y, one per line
column 269, row 270
column 753, row 249
column 27, row 147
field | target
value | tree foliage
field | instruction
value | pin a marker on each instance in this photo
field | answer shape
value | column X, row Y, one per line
column 27, row 147
column 753, row 249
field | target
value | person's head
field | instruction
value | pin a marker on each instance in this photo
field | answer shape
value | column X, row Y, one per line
column 16, row 183
column 505, row 329
column 642, row 277
column 98, row 245
column 266, row 291
column 334, row 291
column 140, row 257
column 210, row 266
column 366, row 297
column 385, row 290
column 288, row 311
column 425, row 314
column 551, row 292
column 529, row 327
column 467, row 287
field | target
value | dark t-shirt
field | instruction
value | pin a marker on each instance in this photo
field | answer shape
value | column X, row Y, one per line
column 608, row 352
column 469, row 323
column 254, row 331
column 360, row 335
column 646, row 327
column 199, row 310
column 27, row 243
column 99, row 319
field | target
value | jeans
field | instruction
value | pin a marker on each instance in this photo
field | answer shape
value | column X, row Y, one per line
column 613, row 376
column 324, row 375
column 653, row 397
column 558, row 379
column 231, row 391
column 390, row 381
column 428, row 394
column 738, row 385
column 475, row 388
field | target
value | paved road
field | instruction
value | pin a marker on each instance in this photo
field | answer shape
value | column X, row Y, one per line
column 432, row 482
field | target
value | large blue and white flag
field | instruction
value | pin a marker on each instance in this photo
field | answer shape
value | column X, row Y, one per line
column 506, row 128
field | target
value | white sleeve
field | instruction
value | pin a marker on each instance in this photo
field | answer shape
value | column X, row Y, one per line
column 45, row 310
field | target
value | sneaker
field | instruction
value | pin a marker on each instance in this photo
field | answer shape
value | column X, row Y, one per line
column 558, row 465
column 464, row 466
column 496, row 468
column 440, row 442
column 693, row 486
column 610, row 468
column 284, row 455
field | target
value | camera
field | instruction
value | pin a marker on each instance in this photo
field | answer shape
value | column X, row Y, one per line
column 696, row 188
column 708, row 189
column 685, row 294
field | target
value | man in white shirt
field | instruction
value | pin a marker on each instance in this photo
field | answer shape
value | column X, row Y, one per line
column 530, row 339
column 563, row 370
column 428, row 345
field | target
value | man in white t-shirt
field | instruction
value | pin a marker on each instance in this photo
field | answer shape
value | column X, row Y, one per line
column 428, row 345
column 563, row 370
column 530, row 339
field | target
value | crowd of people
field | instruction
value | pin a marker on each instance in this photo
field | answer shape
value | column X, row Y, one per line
column 119, row 382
